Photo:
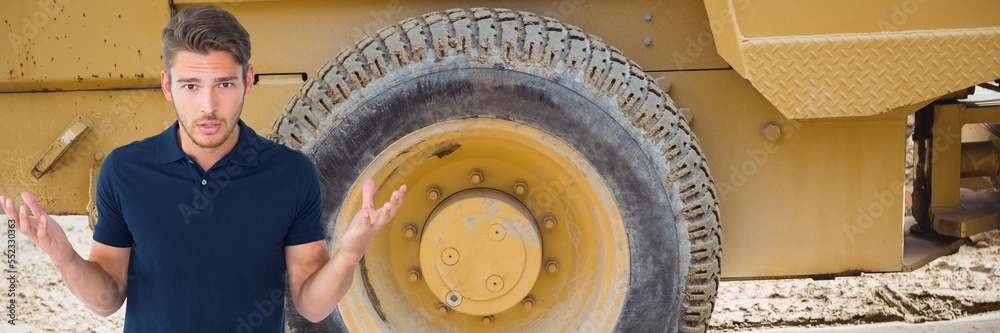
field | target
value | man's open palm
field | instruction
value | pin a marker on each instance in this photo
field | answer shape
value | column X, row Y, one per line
column 40, row 228
column 368, row 221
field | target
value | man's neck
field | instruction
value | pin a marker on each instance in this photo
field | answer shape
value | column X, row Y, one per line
column 207, row 157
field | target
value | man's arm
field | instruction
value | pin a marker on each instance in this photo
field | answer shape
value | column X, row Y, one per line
column 99, row 282
column 318, row 282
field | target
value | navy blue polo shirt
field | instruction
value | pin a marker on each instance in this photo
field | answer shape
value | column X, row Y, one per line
column 207, row 247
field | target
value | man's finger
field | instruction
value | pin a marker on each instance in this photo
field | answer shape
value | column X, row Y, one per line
column 366, row 194
column 384, row 214
column 399, row 202
column 8, row 207
column 25, row 222
column 32, row 203
column 43, row 231
column 396, row 197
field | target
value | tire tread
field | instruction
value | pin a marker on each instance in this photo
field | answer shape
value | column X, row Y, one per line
column 508, row 38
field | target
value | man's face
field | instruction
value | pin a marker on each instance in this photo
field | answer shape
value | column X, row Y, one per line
column 207, row 92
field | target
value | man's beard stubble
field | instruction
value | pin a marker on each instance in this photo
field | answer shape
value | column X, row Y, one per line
column 191, row 128
column 226, row 130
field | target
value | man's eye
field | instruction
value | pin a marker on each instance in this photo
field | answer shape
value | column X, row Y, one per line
column 188, row 86
column 226, row 84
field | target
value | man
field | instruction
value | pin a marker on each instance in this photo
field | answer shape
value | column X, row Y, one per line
column 199, row 225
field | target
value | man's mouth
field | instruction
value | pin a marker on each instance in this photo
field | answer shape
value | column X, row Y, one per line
column 209, row 128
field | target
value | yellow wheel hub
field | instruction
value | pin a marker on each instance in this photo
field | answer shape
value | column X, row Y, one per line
column 481, row 252
column 504, row 228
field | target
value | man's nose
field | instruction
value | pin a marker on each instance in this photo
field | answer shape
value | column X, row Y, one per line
column 209, row 102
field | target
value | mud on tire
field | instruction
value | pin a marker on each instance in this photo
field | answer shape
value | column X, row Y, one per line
column 519, row 67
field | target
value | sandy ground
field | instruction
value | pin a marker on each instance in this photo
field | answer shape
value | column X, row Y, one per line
column 43, row 304
column 951, row 287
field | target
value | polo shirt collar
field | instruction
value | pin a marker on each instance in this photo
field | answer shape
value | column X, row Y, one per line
column 245, row 153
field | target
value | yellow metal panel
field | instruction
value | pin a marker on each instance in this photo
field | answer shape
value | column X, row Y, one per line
column 947, row 150
column 764, row 18
column 727, row 33
column 73, row 44
column 811, row 62
column 864, row 75
column 825, row 198
column 314, row 32
column 119, row 117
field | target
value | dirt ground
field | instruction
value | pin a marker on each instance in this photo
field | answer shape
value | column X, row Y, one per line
column 43, row 304
column 950, row 287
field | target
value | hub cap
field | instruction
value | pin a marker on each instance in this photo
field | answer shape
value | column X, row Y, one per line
column 481, row 252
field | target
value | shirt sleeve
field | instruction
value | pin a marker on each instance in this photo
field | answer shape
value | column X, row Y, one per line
column 307, row 226
column 111, row 228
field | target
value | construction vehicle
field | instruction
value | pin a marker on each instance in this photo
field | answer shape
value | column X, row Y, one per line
column 569, row 162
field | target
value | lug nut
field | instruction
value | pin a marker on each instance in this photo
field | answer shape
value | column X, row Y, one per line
column 520, row 187
column 410, row 230
column 442, row 309
column 433, row 192
column 687, row 114
column 528, row 302
column 549, row 222
column 552, row 266
column 771, row 131
column 476, row 176
column 487, row 320
column 413, row 274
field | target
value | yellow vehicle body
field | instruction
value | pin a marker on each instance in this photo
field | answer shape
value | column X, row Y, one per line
column 800, row 107
column 799, row 204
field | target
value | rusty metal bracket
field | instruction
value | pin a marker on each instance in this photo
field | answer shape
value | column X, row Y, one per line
column 76, row 129
column 92, row 201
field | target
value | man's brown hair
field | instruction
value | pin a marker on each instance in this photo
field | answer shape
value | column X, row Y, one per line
column 203, row 29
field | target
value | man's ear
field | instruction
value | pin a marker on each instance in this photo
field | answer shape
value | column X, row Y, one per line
column 249, row 79
column 165, row 85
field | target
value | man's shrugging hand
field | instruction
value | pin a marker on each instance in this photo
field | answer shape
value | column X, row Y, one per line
column 368, row 221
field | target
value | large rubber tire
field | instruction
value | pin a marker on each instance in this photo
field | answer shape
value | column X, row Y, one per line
column 535, row 71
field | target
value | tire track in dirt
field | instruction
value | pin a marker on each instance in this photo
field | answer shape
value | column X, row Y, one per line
column 950, row 287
